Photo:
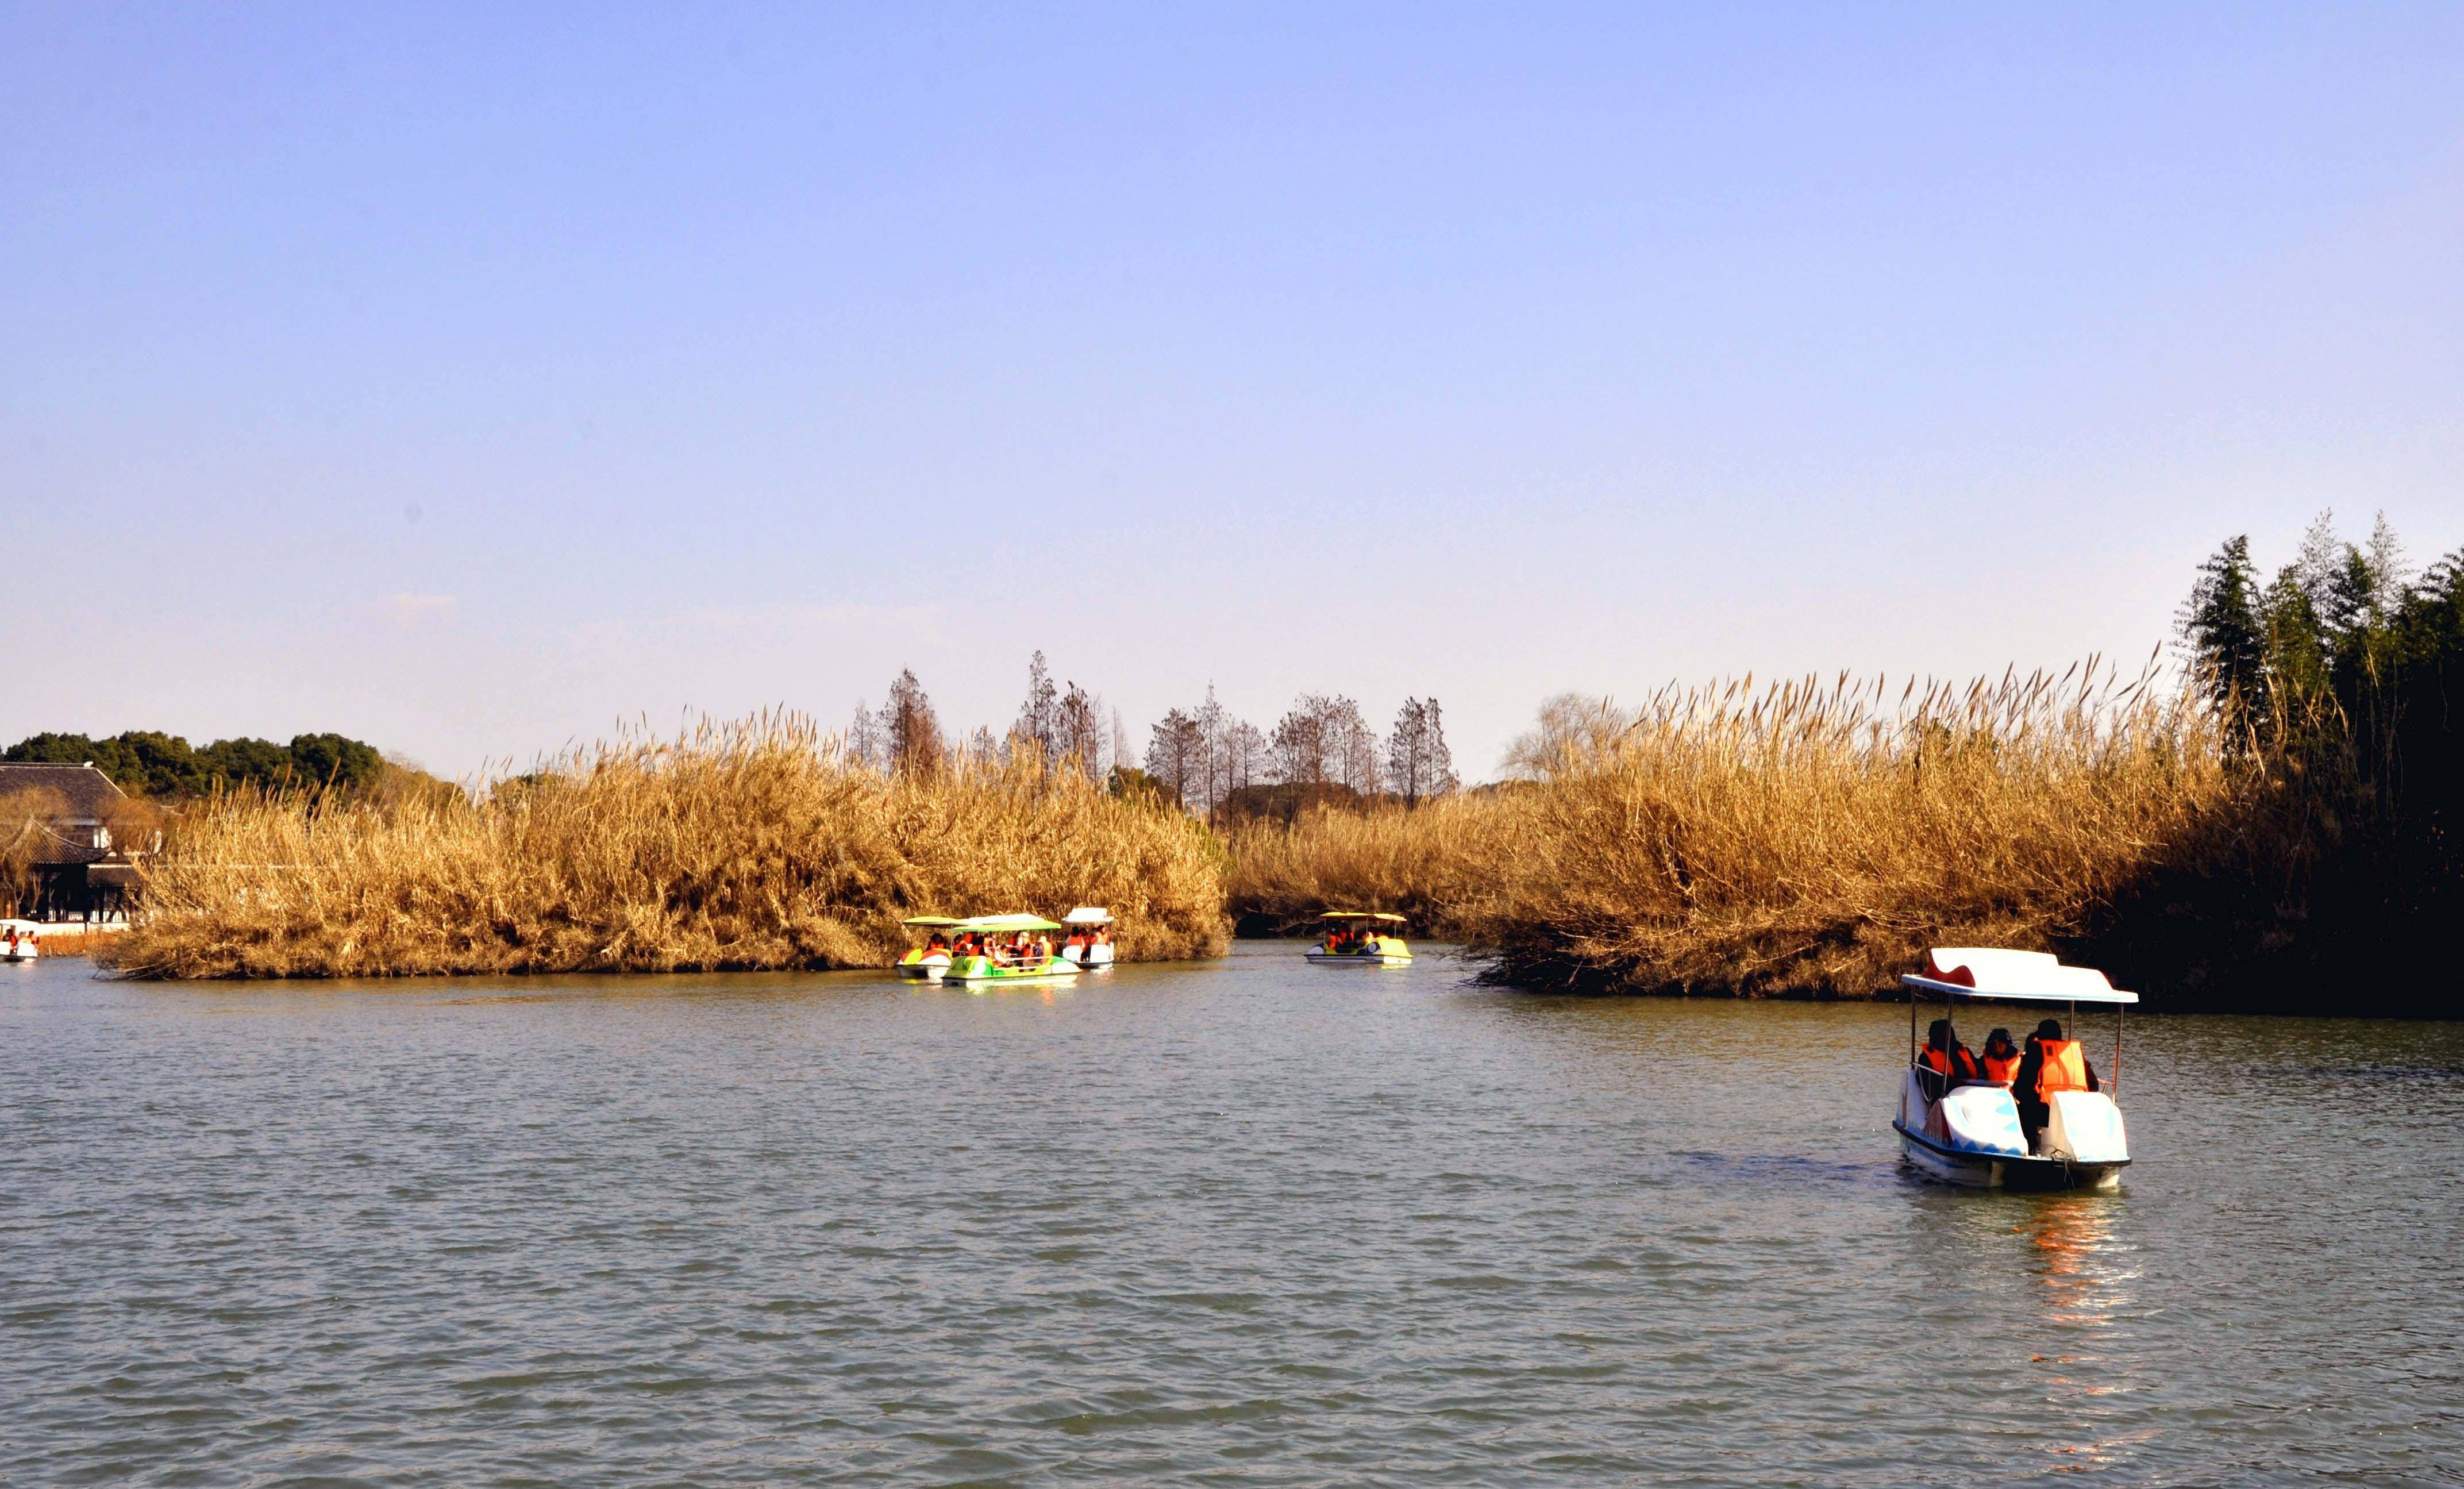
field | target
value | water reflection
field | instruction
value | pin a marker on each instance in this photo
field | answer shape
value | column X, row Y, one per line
column 2072, row 1236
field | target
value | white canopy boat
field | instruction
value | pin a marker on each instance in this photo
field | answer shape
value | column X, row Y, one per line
column 1090, row 943
column 1972, row 1133
column 19, row 941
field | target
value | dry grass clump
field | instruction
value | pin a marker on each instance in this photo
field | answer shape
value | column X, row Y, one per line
column 736, row 846
column 1801, row 840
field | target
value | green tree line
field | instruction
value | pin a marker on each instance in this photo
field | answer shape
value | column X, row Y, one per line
column 148, row 763
column 2340, row 679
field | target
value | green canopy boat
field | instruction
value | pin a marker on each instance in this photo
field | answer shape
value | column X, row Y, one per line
column 990, row 952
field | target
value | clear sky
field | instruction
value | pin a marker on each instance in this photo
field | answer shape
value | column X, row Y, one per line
column 466, row 379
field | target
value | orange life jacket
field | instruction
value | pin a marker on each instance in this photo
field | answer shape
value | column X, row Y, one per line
column 2000, row 1071
column 1934, row 1060
column 2064, row 1067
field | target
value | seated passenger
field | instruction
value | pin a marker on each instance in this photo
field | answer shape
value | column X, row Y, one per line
column 2001, row 1057
column 2048, row 1063
column 1943, row 1062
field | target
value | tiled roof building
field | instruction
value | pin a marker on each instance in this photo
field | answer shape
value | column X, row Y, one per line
column 56, row 820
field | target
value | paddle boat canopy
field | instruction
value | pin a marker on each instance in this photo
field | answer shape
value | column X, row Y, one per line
column 1967, row 1129
column 1361, row 938
column 930, row 959
column 1090, row 942
column 1003, row 949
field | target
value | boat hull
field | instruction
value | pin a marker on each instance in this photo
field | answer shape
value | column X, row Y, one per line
column 1095, row 958
column 1356, row 959
column 979, row 976
column 929, row 969
column 1994, row 1170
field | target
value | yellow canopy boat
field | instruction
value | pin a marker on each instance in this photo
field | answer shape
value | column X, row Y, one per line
column 1361, row 938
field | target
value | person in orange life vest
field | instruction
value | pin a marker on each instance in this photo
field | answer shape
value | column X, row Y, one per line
column 2050, row 1063
column 1943, row 1062
column 2001, row 1057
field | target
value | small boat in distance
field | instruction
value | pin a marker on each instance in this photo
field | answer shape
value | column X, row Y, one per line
column 930, row 960
column 1968, row 1131
column 1005, row 949
column 1090, row 943
column 1361, row 938
column 18, row 941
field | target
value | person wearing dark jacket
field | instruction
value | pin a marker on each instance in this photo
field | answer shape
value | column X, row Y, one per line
column 1943, row 1062
column 2048, row 1063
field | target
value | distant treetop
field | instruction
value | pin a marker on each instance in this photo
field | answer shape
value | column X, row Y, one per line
column 145, row 762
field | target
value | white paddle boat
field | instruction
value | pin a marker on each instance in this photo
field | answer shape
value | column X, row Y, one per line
column 1966, row 1130
column 19, row 941
column 1090, row 943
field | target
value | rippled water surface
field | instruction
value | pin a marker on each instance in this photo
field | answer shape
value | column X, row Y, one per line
column 1237, row 1222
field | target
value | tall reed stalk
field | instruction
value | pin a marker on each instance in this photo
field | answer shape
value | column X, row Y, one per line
column 736, row 846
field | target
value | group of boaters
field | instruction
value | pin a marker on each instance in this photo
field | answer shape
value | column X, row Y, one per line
column 1017, row 948
column 2032, row 1072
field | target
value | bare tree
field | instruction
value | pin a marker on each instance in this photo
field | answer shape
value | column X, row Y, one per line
column 910, row 733
column 1078, row 732
column 1351, row 747
column 1176, row 755
column 1418, row 765
column 1572, row 730
column 26, row 837
column 1301, row 748
column 864, row 737
column 1037, row 729
column 1246, row 756
column 1212, row 720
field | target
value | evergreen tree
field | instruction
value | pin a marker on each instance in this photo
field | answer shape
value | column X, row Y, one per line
column 2221, row 626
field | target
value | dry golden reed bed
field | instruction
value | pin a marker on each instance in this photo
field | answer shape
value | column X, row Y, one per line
column 1800, row 839
column 743, row 846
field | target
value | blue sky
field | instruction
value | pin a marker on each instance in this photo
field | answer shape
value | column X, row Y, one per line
column 473, row 379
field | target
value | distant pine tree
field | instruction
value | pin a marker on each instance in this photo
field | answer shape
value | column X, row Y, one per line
column 2220, row 624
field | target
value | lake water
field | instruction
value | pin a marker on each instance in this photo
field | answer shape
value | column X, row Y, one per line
column 1243, row 1222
